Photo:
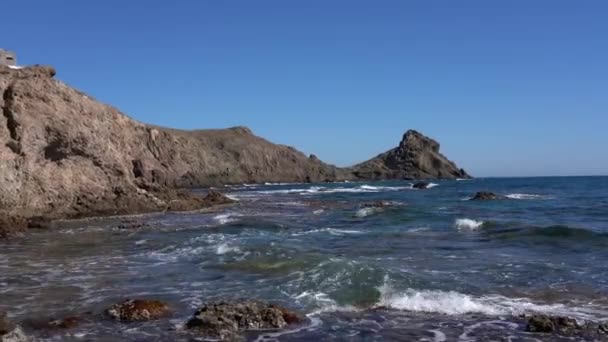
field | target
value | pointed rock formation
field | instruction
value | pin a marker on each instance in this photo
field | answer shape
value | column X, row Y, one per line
column 416, row 157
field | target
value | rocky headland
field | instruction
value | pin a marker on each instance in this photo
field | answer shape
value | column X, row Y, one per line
column 65, row 155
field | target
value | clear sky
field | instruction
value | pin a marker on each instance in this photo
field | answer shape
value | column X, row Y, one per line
column 509, row 88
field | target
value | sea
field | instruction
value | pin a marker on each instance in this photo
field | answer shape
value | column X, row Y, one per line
column 426, row 265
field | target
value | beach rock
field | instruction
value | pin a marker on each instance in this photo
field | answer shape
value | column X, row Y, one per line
column 486, row 196
column 416, row 157
column 138, row 310
column 10, row 332
column 548, row 324
column 421, row 185
column 226, row 320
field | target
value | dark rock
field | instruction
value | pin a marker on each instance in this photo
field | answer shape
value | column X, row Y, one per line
column 138, row 310
column 68, row 322
column 553, row 324
column 6, row 325
column 131, row 225
column 39, row 222
column 416, row 157
column 486, row 196
column 11, row 226
column 421, row 185
column 376, row 204
column 10, row 332
column 227, row 319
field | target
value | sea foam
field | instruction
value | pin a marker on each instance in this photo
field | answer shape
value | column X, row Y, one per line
column 467, row 224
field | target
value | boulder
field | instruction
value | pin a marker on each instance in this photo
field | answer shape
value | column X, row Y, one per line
column 486, row 196
column 10, row 332
column 226, row 320
column 138, row 310
column 421, row 185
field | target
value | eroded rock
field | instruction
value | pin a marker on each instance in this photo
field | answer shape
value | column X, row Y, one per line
column 226, row 320
column 421, row 185
column 138, row 310
column 486, row 196
column 10, row 332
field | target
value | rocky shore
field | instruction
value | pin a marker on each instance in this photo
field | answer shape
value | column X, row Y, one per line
column 65, row 155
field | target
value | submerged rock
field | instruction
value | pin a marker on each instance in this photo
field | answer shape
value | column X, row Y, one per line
column 486, row 196
column 138, row 310
column 421, row 185
column 227, row 319
column 10, row 332
column 376, row 204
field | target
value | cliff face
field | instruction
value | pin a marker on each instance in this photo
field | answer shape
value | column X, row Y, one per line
column 416, row 157
column 63, row 154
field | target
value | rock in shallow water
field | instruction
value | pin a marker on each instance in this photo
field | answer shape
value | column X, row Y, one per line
column 486, row 196
column 138, row 310
column 10, row 332
column 566, row 326
column 227, row 319
column 421, row 185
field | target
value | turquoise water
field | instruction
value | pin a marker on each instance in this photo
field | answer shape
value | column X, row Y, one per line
column 431, row 266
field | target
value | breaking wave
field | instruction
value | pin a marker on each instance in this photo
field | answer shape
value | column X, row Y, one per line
column 528, row 197
column 467, row 224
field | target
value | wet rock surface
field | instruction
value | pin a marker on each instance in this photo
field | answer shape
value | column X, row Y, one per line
column 226, row 320
column 10, row 332
column 566, row 326
column 138, row 310
column 421, row 185
column 486, row 196
column 12, row 226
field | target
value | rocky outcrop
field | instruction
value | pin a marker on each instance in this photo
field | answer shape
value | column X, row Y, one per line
column 226, row 320
column 138, row 310
column 65, row 155
column 486, row 196
column 416, row 157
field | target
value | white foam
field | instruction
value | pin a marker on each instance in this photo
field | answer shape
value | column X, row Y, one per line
column 332, row 231
column 318, row 212
column 467, row 224
column 224, row 248
column 527, row 196
column 455, row 303
column 226, row 218
column 364, row 212
column 449, row 303
column 432, row 185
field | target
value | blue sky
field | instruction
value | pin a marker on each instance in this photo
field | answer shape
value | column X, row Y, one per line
column 509, row 88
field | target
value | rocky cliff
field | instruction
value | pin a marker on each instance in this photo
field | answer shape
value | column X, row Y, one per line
column 416, row 157
column 64, row 154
